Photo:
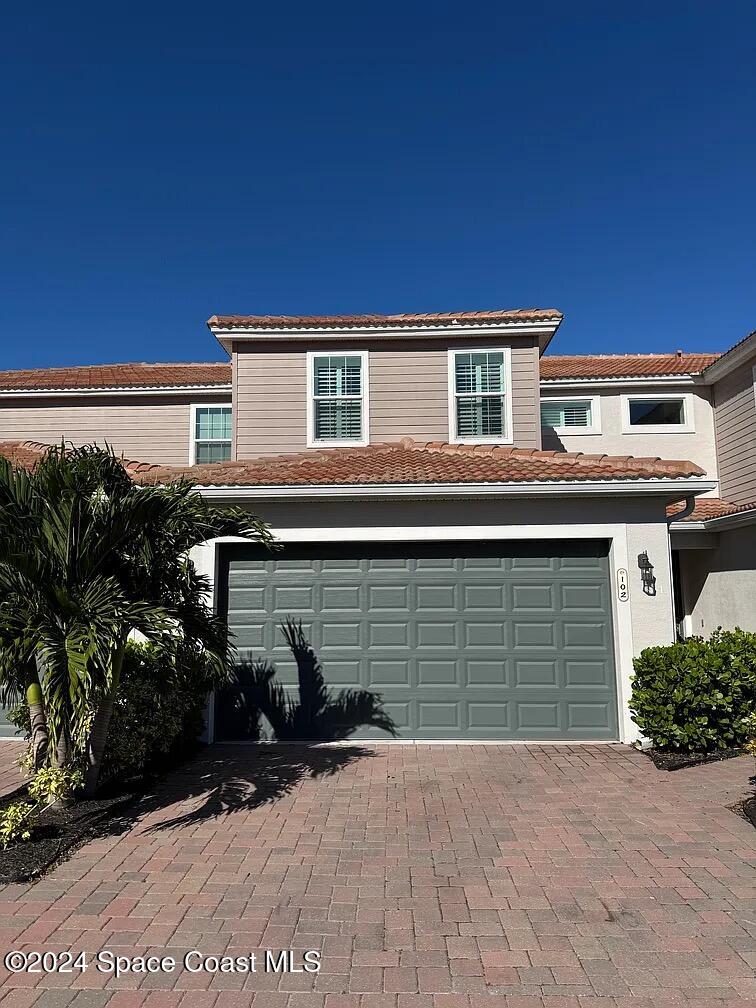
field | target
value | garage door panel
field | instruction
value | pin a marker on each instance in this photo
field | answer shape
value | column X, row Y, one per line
column 459, row 642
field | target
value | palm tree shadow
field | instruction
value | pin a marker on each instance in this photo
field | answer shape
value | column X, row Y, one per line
column 230, row 779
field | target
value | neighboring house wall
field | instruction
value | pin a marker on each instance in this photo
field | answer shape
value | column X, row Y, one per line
column 719, row 585
column 408, row 388
column 698, row 447
column 735, row 425
column 144, row 428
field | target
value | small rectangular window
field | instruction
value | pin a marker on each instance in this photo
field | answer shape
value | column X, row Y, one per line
column 212, row 434
column 657, row 414
column 650, row 412
column 567, row 414
column 479, row 395
column 337, row 398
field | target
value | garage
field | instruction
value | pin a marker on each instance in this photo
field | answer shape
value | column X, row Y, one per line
column 469, row 641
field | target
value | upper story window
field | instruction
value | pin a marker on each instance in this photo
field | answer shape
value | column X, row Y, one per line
column 657, row 414
column 211, row 434
column 572, row 415
column 337, row 404
column 480, row 401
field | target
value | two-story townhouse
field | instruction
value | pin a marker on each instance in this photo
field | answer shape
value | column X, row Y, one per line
column 476, row 531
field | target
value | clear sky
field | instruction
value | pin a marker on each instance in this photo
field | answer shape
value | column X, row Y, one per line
column 163, row 162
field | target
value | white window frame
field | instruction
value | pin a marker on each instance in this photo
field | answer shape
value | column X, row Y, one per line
column 593, row 428
column 507, row 437
column 364, row 440
column 686, row 427
column 193, row 427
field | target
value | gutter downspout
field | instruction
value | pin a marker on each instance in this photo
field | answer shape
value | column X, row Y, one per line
column 690, row 503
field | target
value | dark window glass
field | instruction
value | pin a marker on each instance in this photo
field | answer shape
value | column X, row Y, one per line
column 656, row 411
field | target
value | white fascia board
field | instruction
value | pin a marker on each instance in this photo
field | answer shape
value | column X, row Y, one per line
column 619, row 488
column 118, row 390
column 227, row 336
column 721, row 524
column 733, row 358
column 552, row 383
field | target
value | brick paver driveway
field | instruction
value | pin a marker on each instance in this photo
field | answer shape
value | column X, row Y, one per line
column 428, row 877
column 10, row 773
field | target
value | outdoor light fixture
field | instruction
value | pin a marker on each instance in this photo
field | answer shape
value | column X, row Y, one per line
column 647, row 573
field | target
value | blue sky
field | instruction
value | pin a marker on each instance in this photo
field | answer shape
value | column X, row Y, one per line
column 162, row 162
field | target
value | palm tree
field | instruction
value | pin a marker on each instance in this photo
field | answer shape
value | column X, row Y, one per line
column 90, row 557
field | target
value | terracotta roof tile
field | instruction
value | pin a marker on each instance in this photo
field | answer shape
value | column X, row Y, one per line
column 26, row 455
column 624, row 365
column 218, row 373
column 409, row 462
column 405, row 321
column 708, row 508
column 116, row 376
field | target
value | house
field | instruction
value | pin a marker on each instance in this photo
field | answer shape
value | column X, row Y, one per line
column 484, row 534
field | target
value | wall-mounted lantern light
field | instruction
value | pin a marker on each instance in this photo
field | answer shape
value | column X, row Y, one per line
column 647, row 573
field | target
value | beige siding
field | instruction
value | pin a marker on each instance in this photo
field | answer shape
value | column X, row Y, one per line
column 143, row 428
column 735, row 427
column 409, row 392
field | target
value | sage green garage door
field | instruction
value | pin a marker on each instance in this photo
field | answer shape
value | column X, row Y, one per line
column 469, row 641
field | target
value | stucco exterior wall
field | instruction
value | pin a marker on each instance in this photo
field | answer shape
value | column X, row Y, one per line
column 698, row 447
column 719, row 585
column 408, row 390
column 145, row 428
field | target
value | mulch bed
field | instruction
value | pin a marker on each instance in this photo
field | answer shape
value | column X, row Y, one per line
column 57, row 834
column 749, row 810
column 679, row 761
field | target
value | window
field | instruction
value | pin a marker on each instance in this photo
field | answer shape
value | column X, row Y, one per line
column 211, row 434
column 571, row 416
column 662, row 414
column 337, row 404
column 479, row 395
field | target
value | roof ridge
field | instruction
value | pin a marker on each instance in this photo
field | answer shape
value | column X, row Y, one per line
column 119, row 364
column 653, row 354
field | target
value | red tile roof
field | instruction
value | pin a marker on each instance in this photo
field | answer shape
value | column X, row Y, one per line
column 407, row 321
column 624, row 365
column 409, row 462
column 708, row 508
column 117, row 376
column 26, row 455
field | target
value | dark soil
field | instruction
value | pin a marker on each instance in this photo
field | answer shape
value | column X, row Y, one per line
column 57, row 834
column 749, row 810
column 679, row 761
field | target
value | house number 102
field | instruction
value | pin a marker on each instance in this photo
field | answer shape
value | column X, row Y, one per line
column 622, row 593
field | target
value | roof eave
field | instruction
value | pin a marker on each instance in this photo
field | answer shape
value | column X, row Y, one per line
column 668, row 489
column 721, row 523
column 544, row 329
column 732, row 359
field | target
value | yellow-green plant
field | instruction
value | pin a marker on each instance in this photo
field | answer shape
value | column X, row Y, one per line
column 50, row 786
column 16, row 822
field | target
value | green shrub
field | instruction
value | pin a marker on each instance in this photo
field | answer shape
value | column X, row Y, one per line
column 159, row 710
column 696, row 695
column 16, row 822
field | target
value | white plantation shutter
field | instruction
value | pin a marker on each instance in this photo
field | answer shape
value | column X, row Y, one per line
column 337, row 392
column 479, row 391
column 566, row 414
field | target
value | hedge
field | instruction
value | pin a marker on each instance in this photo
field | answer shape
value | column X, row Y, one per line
column 697, row 695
